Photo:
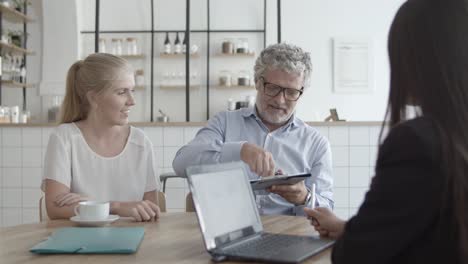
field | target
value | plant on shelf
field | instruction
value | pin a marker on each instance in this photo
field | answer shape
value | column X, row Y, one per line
column 16, row 37
column 19, row 4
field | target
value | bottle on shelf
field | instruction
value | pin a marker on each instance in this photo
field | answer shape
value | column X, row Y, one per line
column 243, row 79
column 14, row 113
column 139, row 78
column 117, row 46
column 25, row 116
column 227, row 46
column 102, row 45
column 177, row 45
column 1, row 67
column 17, row 70
column 184, row 44
column 132, row 47
column 231, row 105
column 5, row 67
column 167, row 44
column 243, row 46
column 225, row 78
column 53, row 112
column 22, row 78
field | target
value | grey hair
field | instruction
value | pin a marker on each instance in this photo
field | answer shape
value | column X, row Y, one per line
column 286, row 57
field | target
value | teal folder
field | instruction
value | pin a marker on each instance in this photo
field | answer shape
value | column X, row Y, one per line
column 92, row 240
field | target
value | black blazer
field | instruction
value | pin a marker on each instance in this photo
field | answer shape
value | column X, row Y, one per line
column 400, row 219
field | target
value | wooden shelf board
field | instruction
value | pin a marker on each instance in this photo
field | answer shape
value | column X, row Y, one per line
column 14, row 16
column 177, row 87
column 182, row 55
column 136, row 56
column 235, row 55
column 13, row 84
column 235, row 87
column 14, row 48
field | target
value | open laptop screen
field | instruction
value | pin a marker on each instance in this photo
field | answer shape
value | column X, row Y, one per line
column 224, row 202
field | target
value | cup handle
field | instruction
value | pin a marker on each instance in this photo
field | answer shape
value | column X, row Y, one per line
column 77, row 211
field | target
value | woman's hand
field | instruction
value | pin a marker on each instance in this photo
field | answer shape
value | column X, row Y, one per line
column 67, row 199
column 140, row 211
column 325, row 222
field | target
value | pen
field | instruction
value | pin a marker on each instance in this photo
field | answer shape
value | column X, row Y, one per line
column 312, row 204
column 312, row 193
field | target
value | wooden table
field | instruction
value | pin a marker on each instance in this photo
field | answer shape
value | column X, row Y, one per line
column 175, row 238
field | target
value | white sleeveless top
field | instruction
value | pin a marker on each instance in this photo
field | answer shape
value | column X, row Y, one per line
column 125, row 177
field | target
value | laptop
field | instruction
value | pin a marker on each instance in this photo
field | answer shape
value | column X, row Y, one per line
column 231, row 225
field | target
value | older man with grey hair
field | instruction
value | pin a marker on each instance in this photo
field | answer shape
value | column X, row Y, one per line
column 269, row 138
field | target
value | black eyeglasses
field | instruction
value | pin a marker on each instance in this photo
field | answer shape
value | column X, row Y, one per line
column 273, row 90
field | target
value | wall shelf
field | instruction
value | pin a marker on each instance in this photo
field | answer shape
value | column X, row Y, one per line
column 224, row 55
column 176, row 87
column 163, row 55
column 14, row 16
column 135, row 56
column 15, row 49
column 205, row 52
column 235, row 87
column 13, row 84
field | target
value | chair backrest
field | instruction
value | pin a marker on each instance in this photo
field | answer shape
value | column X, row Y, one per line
column 189, row 207
column 42, row 210
column 162, row 201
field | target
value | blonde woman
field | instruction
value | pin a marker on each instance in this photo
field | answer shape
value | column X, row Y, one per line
column 94, row 154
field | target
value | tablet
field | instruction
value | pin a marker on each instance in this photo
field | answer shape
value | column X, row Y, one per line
column 265, row 182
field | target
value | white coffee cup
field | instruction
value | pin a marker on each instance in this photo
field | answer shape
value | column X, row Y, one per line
column 92, row 210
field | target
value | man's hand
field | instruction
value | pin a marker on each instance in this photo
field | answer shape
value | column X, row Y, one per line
column 325, row 222
column 295, row 193
column 260, row 161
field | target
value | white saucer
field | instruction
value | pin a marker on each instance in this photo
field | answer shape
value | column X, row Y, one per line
column 110, row 219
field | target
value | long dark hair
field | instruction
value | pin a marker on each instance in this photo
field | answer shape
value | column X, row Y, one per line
column 428, row 52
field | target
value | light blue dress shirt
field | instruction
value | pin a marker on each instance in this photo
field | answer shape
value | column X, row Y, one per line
column 296, row 147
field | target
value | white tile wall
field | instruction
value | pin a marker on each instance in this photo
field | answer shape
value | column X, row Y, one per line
column 354, row 151
column 340, row 156
column 12, row 156
column 338, row 135
column 11, row 178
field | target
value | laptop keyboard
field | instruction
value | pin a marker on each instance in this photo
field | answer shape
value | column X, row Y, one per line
column 265, row 245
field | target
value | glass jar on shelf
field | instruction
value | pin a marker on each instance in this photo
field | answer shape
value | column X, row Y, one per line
column 25, row 117
column 225, row 78
column 194, row 80
column 53, row 111
column 132, row 46
column 139, row 78
column 227, row 46
column 102, row 45
column 117, row 46
column 243, row 79
column 4, row 114
column 242, row 46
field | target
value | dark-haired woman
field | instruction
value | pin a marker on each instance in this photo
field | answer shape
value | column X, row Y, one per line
column 416, row 209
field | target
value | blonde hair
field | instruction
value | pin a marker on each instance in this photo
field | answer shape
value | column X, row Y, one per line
column 96, row 73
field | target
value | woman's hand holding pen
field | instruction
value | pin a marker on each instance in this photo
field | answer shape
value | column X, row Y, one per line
column 325, row 222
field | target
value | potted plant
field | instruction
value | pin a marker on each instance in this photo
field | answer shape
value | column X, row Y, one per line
column 16, row 37
column 19, row 5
